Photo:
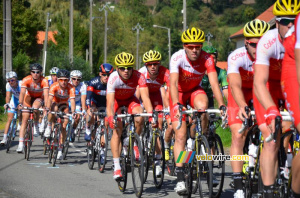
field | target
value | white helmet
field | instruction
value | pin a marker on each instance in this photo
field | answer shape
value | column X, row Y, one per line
column 76, row 73
column 54, row 71
column 11, row 74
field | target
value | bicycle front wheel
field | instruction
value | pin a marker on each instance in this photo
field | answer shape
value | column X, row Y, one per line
column 204, row 171
column 67, row 142
column 137, row 164
column 55, row 144
column 102, row 151
column 10, row 133
column 28, row 139
column 158, row 164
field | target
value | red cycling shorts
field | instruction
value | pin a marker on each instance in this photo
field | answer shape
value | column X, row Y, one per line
column 130, row 103
column 156, row 101
column 233, row 108
column 276, row 94
column 184, row 97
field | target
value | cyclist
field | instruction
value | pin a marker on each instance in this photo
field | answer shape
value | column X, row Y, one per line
column 80, row 98
column 96, row 95
column 34, row 91
column 52, row 78
column 120, row 92
column 156, row 75
column 290, row 88
column 222, row 77
column 240, row 75
column 267, row 74
column 96, row 100
column 59, row 94
column 187, row 68
column 13, row 88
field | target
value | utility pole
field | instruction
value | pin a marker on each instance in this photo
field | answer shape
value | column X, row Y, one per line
column 184, row 15
column 7, row 48
column 209, row 35
column 106, row 7
column 46, row 43
column 91, row 36
column 71, row 33
column 137, row 28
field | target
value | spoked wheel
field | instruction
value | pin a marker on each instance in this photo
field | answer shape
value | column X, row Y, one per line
column 67, row 143
column 158, row 164
column 102, row 151
column 50, row 144
column 55, row 145
column 218, row 167
column 45, row 146
column 195, row 181
column 28, row 141
column 204, row 170
column 91, row 156
column 147, row 153
column 137, row 164
column 171, row 162
column 122, row 182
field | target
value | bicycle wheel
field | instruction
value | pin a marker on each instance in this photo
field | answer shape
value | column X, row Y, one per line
column 28, row 140
column 102, row 150
column 123, row 181
column 204, row 169
column 91, row 156
column 67, row 142
column 147, row 152
column 158, row 164
column 218, row 167
column 45, row 145
column 137, row 164
column 194, row 167
column 171, row 162
column 50, row 144
column 10, row 133
column 55, row 144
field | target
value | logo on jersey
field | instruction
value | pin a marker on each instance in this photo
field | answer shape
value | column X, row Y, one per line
column 270, row 43
column 236, row 56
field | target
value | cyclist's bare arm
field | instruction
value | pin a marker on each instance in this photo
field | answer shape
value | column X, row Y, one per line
column 261, row 77
column 174, row 77
column 213, row 80
column 146, row 99
column 49, row 101
column 83, row 105
column 8, row 97
column 46, row 94
column 235, row 83
column 165, row 96
column 138, row 93
column 73, row 106
column 22, row 94
column 110, row 100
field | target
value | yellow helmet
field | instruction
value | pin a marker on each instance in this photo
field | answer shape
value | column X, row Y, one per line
column 286, row 7
column 256, row 28
column 193, row 35
column 124, row 59
column 151, row 56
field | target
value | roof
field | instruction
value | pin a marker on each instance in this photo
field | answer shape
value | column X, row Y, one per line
column 41, row 37
column 267, row 16
column 222, row 64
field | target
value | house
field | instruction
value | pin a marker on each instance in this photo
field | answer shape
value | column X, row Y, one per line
column 267, row 16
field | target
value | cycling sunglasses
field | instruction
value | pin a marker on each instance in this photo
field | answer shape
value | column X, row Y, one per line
column 36, row 72
column 63, row 80
column 285, row 20
column 104, row 74
column 152, row 63
column 12, row 80
column 191, row 47
column 252, row 44
column 126, row 68
column 77, row 79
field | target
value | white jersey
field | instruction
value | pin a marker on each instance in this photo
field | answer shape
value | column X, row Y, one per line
column 79, row 91
column 270, row 52
column 239, row 61
column 14, row 101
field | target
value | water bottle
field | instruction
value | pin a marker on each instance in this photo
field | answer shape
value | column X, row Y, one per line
column 252, row 154
column 125, row 145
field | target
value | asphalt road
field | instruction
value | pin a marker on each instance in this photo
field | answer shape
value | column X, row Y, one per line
column 72, row 177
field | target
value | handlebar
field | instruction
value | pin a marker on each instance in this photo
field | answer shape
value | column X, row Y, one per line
column 278, row 129
column 246, row 121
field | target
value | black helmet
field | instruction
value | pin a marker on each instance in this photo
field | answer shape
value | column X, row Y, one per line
column 106, row 68
column 62, row 73
column 36, row 66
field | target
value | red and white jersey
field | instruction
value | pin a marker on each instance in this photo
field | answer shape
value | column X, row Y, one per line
column 270, row 52
column 190, row 72
column 297, row 30
column 240, row 62
column 161, row 79
column 125, row 89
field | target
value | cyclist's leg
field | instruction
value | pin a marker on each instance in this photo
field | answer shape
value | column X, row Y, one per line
column 268, row 157
column 135, row 107
column 10, row 116
column 65, row 109
column 38, row 102
column 199, row 100
column 90, row 120
column 51, row 119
